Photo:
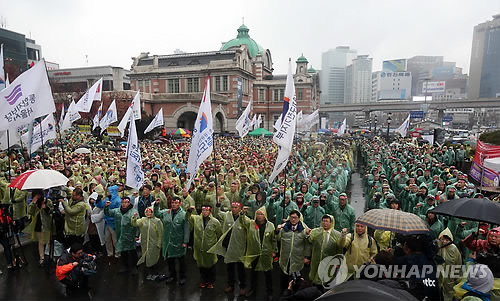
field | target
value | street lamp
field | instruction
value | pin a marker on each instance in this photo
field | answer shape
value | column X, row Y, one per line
column 370, row 123
column 375, row 125
column 389, row 119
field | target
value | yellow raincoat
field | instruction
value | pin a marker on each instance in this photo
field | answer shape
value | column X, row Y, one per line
column 451, row 256
column 359, row 250
column 151, row 237
column 294, row 247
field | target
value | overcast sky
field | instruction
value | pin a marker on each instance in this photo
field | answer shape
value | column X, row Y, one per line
column 111, row 32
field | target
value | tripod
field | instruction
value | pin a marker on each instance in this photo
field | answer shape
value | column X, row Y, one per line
column 11, row 236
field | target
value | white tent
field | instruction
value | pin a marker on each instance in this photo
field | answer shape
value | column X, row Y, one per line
column 493, row 164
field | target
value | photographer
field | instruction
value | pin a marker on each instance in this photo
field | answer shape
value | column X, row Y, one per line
column 73, row 268
column 40, row 211
column 74, row 219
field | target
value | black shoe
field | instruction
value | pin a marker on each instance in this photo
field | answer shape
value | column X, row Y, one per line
column 182, row 281
column 170, row 280
column 161, row 277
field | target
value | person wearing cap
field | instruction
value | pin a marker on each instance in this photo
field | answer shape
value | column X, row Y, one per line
column 207, row 231
column 325, row 241
column 261, row 248
column 233, row 195
column 295, row 249
column 232, row 244
column 244, row 185
column 151, row 229
column 158, row 194
column 452, row 257
column 313, row 213
column 343, row 213
column 125, row 234
column 282, row 209
column 425, row 178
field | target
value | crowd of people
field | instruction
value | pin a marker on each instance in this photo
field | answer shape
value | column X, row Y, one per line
column 230, row 212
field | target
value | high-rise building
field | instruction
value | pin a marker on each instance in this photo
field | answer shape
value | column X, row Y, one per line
column 421, row 70
column 19, row 52
column 358, row 80
column 484, row 74
column 333, row 68
column 391, row 85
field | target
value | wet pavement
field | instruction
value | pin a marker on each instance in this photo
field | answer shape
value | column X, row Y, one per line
column 32, row 282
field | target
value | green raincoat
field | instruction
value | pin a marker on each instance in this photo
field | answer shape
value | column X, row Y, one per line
column 151, row 236
column 294, row 247
column 125, row 232
column 74, row 217
column 204, row 239
column 175, row 232
column 261, row 250
column 233, row 249
column 323, row 244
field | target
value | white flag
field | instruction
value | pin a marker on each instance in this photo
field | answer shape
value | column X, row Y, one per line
column 156, row 122
column 13, row 138
column 110, row 117
column 202, row 141
column 284, row 136
column 61, row 117
column 134, row 108
column 27, row 98
column 403, row 128
column 253, row 122
column 259, row 121
column 97, row 117
column 308, row 121
column 342, row 128
column 135, row 174
column 71, row 116
column 243, row 124
column 277, row 124
column 92, row 94
column 43, row 132
column 2, row 72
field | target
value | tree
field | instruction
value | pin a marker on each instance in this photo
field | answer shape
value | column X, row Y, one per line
column 491, row 137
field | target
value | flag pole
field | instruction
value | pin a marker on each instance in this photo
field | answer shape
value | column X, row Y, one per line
column 8, row 153
column 41, row 138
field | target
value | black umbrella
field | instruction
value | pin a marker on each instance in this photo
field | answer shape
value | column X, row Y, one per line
column 481, row 210
column 102, row 146
column 117, row 149
column 365, row 290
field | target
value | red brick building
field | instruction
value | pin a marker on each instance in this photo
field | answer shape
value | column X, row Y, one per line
column 176, row 82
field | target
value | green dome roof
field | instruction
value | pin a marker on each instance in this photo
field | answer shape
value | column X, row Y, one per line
column 302, row 59
column 311, row 70
column 243, row 38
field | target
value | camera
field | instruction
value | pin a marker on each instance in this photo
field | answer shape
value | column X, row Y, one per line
column 88, row 266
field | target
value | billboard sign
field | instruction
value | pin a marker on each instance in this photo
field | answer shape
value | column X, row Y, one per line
column 398, row 65
column 447, row 118
column 434, row 87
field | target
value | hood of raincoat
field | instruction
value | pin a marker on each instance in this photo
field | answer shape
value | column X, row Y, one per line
column 446, row 232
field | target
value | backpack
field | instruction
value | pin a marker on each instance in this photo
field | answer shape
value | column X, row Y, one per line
column 370, row 242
